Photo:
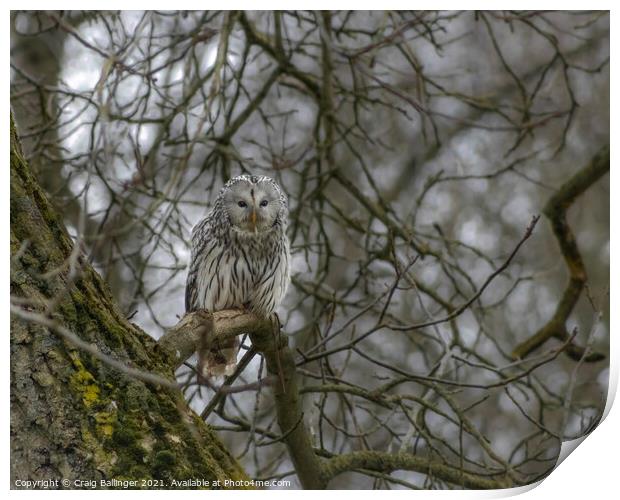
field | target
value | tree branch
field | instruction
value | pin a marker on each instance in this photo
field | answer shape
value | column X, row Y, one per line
column 555, row 210
column 181, row 340
column 389, row 462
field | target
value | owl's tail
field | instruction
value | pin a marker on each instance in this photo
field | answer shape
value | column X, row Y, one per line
column 220, row 359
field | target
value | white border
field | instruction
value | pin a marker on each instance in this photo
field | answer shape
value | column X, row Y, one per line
column 589, row 473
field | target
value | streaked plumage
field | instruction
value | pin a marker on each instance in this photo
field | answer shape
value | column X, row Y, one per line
column 239, row 260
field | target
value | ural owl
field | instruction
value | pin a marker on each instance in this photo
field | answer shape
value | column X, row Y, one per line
column 240, row 258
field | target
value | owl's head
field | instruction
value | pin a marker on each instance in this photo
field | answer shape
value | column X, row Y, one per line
column 254, row 204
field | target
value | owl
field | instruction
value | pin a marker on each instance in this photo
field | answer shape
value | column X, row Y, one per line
column 239, row 259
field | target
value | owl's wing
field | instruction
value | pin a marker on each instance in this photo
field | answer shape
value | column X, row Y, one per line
column 200, row 236
column 190, row 285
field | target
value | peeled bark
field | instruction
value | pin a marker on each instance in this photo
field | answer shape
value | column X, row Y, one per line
column 74, row 416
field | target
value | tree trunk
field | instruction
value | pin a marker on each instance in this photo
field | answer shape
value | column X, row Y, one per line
column 73, row 415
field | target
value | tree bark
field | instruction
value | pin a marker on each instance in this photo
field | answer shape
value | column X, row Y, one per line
column 73, row 415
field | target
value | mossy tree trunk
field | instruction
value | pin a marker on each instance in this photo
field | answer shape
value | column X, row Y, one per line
column 72, row 415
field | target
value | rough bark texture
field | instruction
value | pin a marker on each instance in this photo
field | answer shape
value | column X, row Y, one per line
column 73, row 416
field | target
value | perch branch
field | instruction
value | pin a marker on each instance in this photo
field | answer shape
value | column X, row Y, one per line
column 181, row 340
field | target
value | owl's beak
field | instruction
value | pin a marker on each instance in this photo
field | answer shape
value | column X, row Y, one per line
column 253, row 218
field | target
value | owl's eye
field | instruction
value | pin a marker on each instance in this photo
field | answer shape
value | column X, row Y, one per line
column 264, row 203
column 242, row 204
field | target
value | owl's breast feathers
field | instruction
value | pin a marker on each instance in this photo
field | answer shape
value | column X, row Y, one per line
column 233, row 269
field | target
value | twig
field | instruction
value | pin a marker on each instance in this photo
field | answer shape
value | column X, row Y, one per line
column 69, row 336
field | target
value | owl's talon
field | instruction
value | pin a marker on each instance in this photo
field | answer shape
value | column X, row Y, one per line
column 275, row 321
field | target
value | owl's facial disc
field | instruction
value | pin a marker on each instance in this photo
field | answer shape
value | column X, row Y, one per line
column 252, row 207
